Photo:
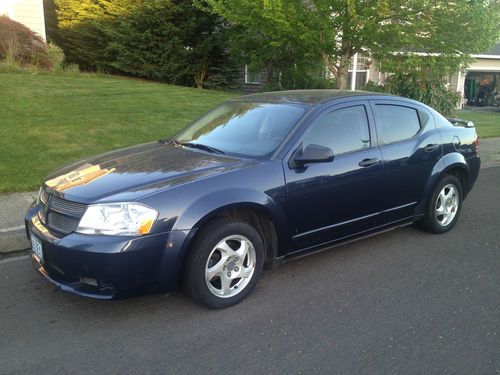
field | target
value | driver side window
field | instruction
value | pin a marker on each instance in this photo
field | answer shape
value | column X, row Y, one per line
column 343, row 130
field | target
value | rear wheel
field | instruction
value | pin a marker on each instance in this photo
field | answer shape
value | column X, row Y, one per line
column 444, row 206
column 224, row 263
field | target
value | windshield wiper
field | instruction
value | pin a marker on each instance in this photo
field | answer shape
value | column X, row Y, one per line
column 200, row 146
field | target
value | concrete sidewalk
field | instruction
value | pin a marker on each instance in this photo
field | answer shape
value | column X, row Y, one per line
column 12, row 209
column 13, row 206
column 489, row 150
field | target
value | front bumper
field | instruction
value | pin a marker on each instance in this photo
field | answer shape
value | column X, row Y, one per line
column 105, row 267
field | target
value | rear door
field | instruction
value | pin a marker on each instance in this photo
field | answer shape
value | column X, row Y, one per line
column 333, row 200
column 410, row 146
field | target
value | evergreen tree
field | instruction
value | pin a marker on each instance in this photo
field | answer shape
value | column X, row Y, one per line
column 166, row 40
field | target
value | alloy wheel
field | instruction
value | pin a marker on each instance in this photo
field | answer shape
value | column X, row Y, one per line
column 446, row 205
column 230, row 266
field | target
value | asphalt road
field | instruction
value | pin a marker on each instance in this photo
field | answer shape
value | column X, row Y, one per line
column 403, row 302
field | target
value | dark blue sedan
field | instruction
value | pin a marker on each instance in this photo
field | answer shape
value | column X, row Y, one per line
column 257, row 180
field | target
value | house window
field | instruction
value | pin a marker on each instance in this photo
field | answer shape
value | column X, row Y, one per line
column 359, row 68
column 362, row 62
column 251, row 77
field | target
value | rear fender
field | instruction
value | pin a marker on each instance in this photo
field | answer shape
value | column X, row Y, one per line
column 446, row 163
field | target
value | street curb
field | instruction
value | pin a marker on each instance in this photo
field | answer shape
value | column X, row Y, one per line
column 490, row 165
column 13, row 242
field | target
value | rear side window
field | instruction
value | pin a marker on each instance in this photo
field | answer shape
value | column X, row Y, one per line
column 343, row 130
column 396, row 123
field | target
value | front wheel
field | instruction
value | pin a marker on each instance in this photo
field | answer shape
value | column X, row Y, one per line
column 444, row 206
column 224, row 263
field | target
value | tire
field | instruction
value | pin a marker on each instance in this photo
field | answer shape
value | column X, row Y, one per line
column 224, row 263
column 444, row 207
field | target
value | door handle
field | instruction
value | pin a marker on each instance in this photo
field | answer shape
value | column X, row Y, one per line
column 368, row 162
column 431, row 147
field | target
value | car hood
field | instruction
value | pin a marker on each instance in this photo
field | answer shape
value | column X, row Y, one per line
column 131, row 173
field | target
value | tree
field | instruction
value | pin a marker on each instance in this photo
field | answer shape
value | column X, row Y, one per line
column 278, row 36
column 447, row 36
column 82, row 31
column 338, row 29
column 166, row 40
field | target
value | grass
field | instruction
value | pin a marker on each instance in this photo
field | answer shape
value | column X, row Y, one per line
column 487, row 123
column 50, row 120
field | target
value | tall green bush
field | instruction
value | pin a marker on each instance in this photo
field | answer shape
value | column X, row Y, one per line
column 430, row 90
column 56, row 57
column 166, row 40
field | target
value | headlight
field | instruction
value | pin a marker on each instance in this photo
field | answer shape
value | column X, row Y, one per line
column 119, row 219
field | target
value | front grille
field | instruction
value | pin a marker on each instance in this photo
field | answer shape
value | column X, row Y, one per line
column 62, row 223
column 67, row 207
column 60, row 214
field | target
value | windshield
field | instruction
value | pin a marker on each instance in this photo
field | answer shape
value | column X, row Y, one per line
column 243, row 128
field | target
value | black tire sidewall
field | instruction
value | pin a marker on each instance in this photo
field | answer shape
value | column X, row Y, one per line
column 430, row 221
column 208, row 237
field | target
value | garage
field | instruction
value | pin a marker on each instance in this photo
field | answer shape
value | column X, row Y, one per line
column 482, row 79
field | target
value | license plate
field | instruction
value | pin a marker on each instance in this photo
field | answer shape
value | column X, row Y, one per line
column 36, row 246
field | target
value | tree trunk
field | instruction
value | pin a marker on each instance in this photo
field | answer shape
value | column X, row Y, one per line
column 343, row 71
column 199, row 80
column 340, row 69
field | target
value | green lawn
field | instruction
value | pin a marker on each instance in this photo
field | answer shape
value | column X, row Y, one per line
column 50, row 120
column 487, row 123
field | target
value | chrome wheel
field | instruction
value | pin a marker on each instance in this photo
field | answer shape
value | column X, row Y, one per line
column 447, row 205
column 230, row 266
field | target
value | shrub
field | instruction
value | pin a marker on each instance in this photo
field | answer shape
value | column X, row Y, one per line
column 72, row 68
column 19, row 45
column 430, row 90
column 56, row 57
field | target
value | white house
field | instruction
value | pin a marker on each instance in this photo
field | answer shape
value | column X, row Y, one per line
column 482, row 75
column 27, row 12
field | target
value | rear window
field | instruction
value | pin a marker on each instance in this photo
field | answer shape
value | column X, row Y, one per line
column 396, row 123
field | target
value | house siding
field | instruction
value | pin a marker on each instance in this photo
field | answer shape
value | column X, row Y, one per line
column 27, row 12
column 485, row 65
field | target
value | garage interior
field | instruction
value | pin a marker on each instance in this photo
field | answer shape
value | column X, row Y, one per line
column 482, row 88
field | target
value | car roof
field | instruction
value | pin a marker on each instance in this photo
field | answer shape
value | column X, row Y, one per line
column 310, row 97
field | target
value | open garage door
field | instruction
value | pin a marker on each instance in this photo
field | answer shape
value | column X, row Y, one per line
column 482, row 88
column 482, row 79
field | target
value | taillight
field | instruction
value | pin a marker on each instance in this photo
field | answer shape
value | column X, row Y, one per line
column 476, row 142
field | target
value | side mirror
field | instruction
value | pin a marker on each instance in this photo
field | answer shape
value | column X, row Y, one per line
column 311, row 154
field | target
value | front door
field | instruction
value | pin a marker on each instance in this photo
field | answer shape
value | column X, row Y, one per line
column 333, row 200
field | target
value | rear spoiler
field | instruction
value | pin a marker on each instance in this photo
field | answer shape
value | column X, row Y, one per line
column 460, row 122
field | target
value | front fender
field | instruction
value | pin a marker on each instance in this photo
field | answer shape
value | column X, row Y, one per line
column 202, row 210
column 446, row 163
column 209, row 205
column 184, row 208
